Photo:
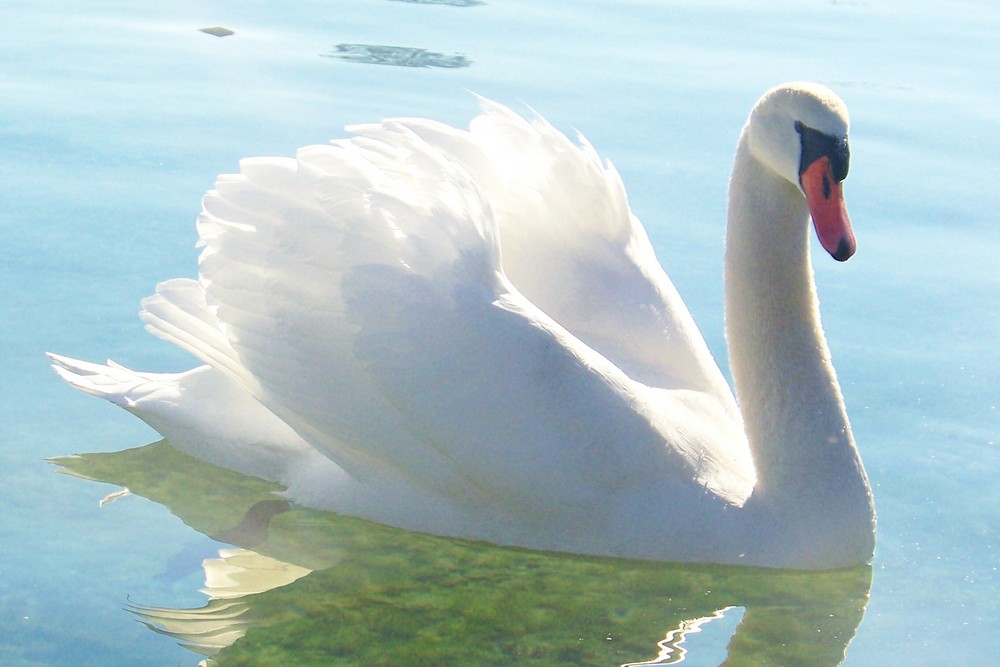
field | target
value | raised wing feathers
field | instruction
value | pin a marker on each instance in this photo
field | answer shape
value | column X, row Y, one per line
column 414, row 305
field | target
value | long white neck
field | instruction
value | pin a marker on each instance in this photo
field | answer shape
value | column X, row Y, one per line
column 811, row 486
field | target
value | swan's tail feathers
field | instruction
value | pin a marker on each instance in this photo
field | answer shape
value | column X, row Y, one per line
column 179, row 313
column 112, row 382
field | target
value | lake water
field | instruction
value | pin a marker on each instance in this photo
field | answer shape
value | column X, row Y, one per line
column 115, row 118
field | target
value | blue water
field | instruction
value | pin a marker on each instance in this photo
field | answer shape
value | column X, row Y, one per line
column 114, row 119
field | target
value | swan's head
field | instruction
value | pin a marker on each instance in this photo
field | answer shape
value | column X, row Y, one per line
column 799, row 130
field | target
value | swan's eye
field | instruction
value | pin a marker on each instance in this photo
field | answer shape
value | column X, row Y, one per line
column 816, row 144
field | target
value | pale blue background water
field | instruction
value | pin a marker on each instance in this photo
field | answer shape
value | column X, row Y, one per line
column 115, row 117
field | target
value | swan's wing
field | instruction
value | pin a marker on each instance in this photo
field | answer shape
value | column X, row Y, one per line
column 360, row 289
column 517, row 404
column 573, row 247
column 280, row 239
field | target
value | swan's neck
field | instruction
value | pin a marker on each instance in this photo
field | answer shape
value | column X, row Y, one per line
column 809, row 475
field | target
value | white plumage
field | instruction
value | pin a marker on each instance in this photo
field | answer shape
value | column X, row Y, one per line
column 468, row 333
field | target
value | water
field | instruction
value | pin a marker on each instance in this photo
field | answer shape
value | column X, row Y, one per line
column 115, row 119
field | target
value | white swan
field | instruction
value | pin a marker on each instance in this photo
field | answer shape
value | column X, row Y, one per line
column 467, row 333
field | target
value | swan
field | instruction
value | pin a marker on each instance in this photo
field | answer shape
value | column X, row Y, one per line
column 467, row 333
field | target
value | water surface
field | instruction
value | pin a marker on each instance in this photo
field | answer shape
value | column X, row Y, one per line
column 115, row 119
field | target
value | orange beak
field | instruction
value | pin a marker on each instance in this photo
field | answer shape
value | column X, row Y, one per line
column 825, row 197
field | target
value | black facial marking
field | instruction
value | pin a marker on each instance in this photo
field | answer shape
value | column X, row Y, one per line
column 816, row 144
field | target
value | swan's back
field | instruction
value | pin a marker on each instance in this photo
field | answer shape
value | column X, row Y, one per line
column 473, row 320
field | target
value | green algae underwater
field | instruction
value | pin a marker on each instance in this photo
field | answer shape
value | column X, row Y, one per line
column 352, row 592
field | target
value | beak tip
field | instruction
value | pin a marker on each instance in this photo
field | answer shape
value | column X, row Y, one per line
column 844, row 250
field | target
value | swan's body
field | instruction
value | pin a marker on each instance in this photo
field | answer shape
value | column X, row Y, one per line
column 467, row 333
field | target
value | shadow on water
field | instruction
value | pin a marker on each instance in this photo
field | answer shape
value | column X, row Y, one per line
column 320, row 588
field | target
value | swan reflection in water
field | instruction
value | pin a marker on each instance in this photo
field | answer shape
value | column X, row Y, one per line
column 302, row 585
